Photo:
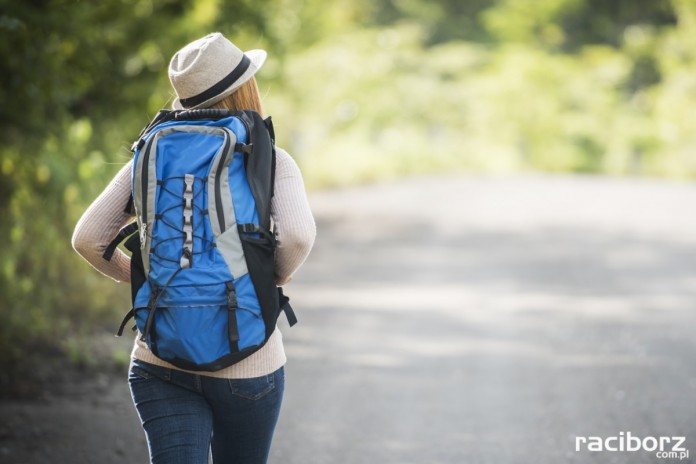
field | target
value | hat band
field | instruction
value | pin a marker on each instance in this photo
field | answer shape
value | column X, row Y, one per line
column 220, row 87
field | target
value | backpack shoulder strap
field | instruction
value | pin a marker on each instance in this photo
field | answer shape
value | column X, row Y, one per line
column 161, row 117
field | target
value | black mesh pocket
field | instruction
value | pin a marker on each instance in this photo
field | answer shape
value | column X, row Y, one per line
column 259, row 251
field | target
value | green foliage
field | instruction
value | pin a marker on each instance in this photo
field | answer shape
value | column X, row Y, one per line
column 397, row 105
column 441, row 20
column 530, row 21
column 359, row 91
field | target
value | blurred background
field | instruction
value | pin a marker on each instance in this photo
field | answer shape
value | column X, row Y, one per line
column 552, row 95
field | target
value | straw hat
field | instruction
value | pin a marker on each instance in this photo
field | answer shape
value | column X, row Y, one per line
column 209, row 69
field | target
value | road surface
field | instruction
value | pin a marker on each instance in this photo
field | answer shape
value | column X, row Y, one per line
column 460, row 319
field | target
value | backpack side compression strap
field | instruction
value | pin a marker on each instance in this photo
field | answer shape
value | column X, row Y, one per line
column 284, row 303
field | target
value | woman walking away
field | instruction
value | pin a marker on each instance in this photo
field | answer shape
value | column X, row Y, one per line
column 218, row 209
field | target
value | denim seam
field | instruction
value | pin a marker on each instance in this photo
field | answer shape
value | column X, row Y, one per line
column 151, row 370
column 270, row 379
column 140, row 372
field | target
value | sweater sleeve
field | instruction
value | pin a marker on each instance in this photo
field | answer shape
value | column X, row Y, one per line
column 101, row 222
column 295, row 229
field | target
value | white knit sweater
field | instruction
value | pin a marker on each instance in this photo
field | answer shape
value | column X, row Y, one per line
column 295, row 232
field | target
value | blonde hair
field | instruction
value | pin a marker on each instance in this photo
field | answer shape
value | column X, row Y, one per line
column 246, row 97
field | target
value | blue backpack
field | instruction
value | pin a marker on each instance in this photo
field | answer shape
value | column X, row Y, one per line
column 203, row 248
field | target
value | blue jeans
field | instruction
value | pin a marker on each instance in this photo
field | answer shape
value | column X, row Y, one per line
column 186, row 415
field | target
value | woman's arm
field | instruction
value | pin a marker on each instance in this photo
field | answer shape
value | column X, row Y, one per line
column 294, row 224
column 101, row 223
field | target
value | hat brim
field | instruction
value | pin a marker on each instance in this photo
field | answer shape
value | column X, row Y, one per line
column 257, row 57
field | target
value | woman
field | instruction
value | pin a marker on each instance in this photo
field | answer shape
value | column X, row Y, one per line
column 232, row 411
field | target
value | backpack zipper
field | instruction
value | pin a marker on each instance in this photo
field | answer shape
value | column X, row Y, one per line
column 218, row 180
column 250, row 311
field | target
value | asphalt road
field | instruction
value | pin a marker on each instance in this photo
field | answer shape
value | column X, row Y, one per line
column 459, row 319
